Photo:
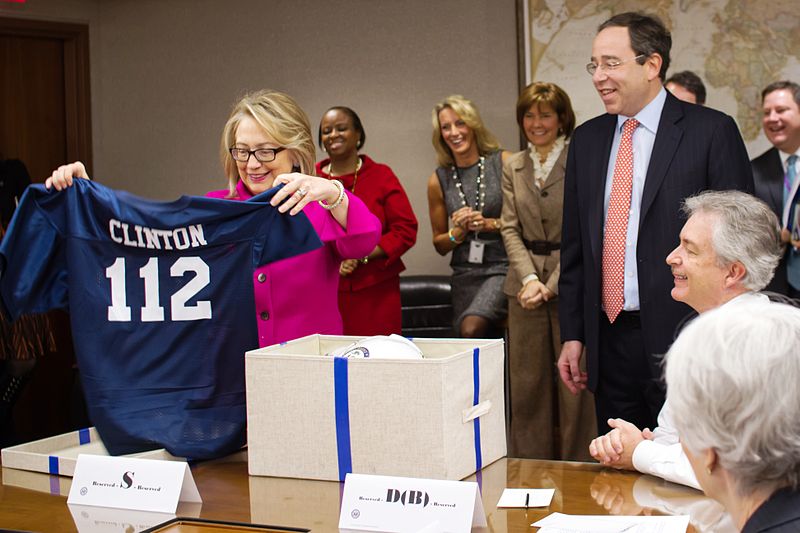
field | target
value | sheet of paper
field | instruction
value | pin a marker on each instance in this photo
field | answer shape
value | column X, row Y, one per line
column 517, row 498
column 563, row 523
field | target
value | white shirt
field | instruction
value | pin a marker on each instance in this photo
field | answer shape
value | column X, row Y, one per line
column 643, row 141
column 663, row 456
column 787, row 205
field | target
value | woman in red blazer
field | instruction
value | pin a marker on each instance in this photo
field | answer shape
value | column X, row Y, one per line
column 369, row 288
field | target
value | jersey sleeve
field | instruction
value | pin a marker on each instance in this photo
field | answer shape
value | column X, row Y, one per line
column 33, row 275
column 282, row 236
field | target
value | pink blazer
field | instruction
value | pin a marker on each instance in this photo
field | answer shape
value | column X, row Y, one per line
column 298, row 296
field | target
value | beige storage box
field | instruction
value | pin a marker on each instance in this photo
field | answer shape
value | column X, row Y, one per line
column 59, row 454
column 318, row 417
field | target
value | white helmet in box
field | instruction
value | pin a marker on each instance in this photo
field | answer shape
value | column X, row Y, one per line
column 381, row 347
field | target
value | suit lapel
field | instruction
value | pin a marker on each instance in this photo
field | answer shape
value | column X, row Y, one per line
column 557, row 172
column 525, row 171
column 597, row 183
column 668, row 138
column 776, row 185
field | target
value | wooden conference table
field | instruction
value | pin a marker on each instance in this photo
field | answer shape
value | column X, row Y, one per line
column 230, row 494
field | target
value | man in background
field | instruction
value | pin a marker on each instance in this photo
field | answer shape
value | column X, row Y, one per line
column 775, row 175
column 687, row 86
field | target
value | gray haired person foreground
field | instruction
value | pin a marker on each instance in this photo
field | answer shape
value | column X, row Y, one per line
column 732, row 379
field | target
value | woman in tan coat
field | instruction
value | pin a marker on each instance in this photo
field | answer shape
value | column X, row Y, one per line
column 547, row 421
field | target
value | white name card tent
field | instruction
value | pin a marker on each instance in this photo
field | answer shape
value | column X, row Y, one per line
column 138, row 484
column 400, row 504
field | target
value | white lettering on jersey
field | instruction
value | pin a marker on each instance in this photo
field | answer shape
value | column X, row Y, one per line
column 191, row 236
column 152, row 311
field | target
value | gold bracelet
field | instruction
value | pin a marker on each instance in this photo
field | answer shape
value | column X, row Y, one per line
column 339, row 198
column 453, row 237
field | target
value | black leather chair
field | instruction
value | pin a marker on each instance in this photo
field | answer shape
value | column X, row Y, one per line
column 782, row 298
column 427, row 307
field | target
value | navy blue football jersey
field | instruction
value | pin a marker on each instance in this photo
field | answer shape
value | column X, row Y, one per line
column 160, row 297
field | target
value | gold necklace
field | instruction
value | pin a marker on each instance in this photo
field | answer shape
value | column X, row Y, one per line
column 355, row 174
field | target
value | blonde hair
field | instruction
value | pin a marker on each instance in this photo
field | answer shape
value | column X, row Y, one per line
column 281, row 118
column 467, row 112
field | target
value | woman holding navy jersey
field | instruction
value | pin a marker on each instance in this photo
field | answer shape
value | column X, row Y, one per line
column 267, row 142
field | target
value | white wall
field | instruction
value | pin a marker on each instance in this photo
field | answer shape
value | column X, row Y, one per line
column 166, row 73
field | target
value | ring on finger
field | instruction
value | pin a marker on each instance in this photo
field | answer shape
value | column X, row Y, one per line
column 302, row 191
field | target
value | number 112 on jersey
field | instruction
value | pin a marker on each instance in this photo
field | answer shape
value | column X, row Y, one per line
column 119, row 311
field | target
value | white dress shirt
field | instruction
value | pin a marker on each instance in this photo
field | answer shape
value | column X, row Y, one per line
column 787, row 205
column 663, row 456
column 644, row 138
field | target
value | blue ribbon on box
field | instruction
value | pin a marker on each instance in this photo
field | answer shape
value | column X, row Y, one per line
column 84, row 437
column 342, row 410
column 476, row 385
column 342, row 407
column 53, row 464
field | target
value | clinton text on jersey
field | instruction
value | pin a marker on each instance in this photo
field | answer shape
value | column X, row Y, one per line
column 179, row 238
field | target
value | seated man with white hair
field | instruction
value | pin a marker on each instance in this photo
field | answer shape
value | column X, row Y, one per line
column 732, row 379
column 729, row 248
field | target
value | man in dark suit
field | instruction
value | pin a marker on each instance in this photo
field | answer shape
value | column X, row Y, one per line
column 771, row 171
column 614, row 289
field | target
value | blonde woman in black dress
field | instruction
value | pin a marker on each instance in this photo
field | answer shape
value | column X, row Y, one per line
column 465, row 201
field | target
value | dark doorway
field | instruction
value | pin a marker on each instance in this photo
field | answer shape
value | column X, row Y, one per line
column 45, row 121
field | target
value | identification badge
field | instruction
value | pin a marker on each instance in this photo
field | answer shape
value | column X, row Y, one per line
column 476, row 251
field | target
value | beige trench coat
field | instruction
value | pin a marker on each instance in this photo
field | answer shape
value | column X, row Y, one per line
column 532, row 215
